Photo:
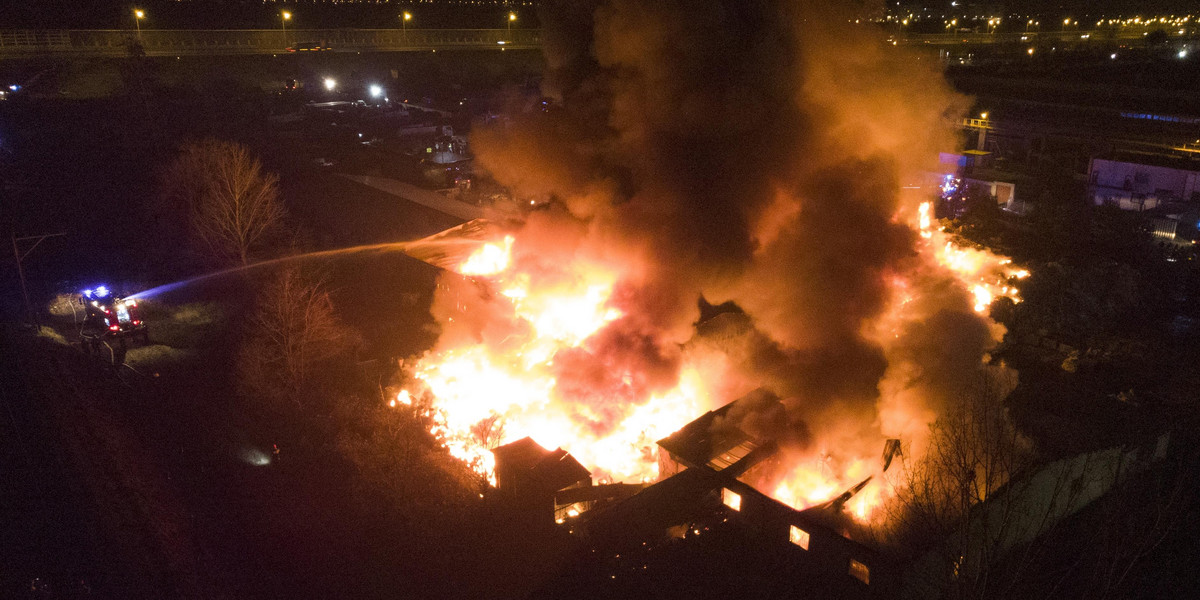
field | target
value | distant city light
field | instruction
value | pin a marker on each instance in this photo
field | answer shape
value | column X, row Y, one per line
column 376, row 91
column 330, row 83
column 1113, row 56
column 1182, row 54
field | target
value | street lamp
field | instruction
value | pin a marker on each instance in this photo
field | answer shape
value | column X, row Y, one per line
column 284, row 17
column 512, row 16
column 404, row 19
column 138, row 15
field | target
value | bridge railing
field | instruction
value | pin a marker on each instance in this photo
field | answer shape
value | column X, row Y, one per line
column 162, row 42
column 1030, row 37
column 33, row 39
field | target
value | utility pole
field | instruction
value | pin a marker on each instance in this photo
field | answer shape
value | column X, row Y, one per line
column 19, row 256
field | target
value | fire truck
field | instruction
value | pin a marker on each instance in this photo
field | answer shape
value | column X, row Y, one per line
column 107, row 316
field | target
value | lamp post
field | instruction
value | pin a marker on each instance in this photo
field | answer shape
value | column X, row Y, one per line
column 138, row 15
column 284, row 17
column 404, row 19
column 512, row 16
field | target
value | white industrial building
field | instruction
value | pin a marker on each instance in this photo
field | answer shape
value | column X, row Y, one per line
column 1147, row 184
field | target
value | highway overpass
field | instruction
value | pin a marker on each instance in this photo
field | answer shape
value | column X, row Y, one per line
column 194, row 42
column 197, row 42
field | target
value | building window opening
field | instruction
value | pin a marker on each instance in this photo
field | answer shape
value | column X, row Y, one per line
column 731, row 499
column 860, row 571
column 799, row 537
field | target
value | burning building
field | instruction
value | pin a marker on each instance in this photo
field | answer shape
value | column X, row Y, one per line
column 700, row 493
column 853, row 318
column 532, row 474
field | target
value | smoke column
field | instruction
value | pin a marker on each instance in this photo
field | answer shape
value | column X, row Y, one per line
column 751, row 151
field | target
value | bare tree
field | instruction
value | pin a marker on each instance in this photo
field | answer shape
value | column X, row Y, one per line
column 232, row 204
column 293, row 329
column 978, row 513
column 973, row 450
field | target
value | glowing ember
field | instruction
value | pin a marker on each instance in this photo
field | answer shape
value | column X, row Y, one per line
column 985, row 274
column 925, row 223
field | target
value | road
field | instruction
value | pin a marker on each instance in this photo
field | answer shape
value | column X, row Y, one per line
column 204, row 42
column 198, row 42
column 420, row 196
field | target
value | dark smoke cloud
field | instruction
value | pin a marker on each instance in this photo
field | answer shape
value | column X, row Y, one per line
column 748, row 151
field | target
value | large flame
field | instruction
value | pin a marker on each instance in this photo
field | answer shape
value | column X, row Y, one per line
column 489, row 259
column 821, row 477
column 492, row 392
column 987, row 275
column 487, row 389
column 817, row 481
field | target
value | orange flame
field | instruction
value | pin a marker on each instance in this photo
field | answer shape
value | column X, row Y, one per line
column 489, row 259
column 817, row 480
column 494, row 392
column 988, row 276
column 487, row 392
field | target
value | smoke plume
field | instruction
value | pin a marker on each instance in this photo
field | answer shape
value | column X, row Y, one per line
column 751, row 151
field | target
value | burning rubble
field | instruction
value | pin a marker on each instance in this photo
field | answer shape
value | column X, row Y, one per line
column 749, row 155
